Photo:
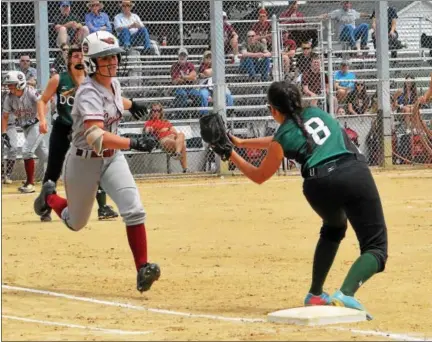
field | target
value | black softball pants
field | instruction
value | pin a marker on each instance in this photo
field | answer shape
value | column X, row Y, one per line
column 59, row 143
column 348, row 192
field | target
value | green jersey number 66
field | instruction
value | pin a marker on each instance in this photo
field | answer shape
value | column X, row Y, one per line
column 318, row 130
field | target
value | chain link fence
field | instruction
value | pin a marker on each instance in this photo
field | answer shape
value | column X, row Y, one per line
column 168, row 64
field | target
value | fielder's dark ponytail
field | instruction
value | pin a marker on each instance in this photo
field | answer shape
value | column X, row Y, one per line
column 287, row 99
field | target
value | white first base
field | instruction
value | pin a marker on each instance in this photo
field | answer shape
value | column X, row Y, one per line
column 317, row 315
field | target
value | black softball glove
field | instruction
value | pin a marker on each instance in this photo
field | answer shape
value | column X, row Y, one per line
column 213, row 132
column 138, row 110
column 143, row 142
column 6, row 140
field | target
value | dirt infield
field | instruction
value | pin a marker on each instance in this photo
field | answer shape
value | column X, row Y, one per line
column 227, row 249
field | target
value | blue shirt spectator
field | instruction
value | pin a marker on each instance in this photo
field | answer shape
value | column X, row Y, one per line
column 97, row 20
column 343, row 79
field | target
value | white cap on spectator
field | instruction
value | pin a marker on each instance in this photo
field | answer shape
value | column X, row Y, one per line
column 183, row 51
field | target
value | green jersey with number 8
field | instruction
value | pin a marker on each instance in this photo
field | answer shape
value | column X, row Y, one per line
column 327, row 138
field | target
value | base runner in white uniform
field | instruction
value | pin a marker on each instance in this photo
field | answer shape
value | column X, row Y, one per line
column 21, row 102
column 95, row 158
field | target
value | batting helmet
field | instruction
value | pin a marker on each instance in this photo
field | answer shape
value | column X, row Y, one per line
column 99, row 44
column 15, row 77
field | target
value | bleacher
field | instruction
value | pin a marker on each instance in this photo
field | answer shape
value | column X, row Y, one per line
column 147, row 78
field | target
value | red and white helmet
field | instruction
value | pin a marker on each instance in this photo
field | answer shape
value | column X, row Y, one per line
column 17, row 78
column 99, row 44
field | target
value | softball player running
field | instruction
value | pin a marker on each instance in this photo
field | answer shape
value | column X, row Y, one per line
column 95, row 157
column 21, row 102
column 64, row 85
column 337, row 184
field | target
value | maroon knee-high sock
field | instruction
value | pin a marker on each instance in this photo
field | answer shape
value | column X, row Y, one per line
column 56, row 203
column 29, row 165
column 138, row 243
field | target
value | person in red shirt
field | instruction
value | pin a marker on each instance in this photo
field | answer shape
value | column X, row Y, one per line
column 172, row 142
column 183, row 73
column 262, row 28
column 296, row 17
column 288, row 53
column 230, row 39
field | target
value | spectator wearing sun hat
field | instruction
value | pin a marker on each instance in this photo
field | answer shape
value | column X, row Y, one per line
column 129, row 27
column 68, row 27
column 97, row 20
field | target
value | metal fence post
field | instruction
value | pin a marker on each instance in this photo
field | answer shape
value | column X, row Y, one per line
column 384, row 81
column 42, row 49
column 332, row 110
column 276, row 53
column 218, row 65
column 181, row 27
column 9, row 32
column 42, row 42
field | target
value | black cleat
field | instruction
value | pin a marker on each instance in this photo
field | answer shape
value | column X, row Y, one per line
column 40, row 205
column 46, row 217
column 106, row 212
column 147, row 275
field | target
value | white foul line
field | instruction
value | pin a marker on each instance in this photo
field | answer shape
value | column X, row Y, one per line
column 76, row 326
column 133, row 307
column 393, row 336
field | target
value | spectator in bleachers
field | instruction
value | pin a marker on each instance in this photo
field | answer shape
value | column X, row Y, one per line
column 303, row 61
column 96, row 20
column 348, row 32
column 312, row 80
column 340, row 111
column 312, row 84
column 343, row 79
column 69, row 29
column 393, row 35
column 296, row 17
column 60, row 62
column 205, row 73
column 288, row 53
column 263, row 28
column 130, row 29
column 255, row 58
column 171, row 141
column 405, row 98
column 29, row 72
column 183, row 73
column 230, row 39
column 358, row 99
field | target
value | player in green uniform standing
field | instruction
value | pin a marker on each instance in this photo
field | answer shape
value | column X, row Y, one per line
column 64, row 86
column 337, row 184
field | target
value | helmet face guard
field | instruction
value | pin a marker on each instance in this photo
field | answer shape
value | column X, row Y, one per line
column 16, row 78
column 100, row 44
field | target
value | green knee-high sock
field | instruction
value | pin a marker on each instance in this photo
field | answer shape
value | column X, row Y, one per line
column 325, row 253
column 101, row 197
column 362, row 269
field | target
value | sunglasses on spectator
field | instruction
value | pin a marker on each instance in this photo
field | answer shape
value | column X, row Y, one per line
column 25, row 60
